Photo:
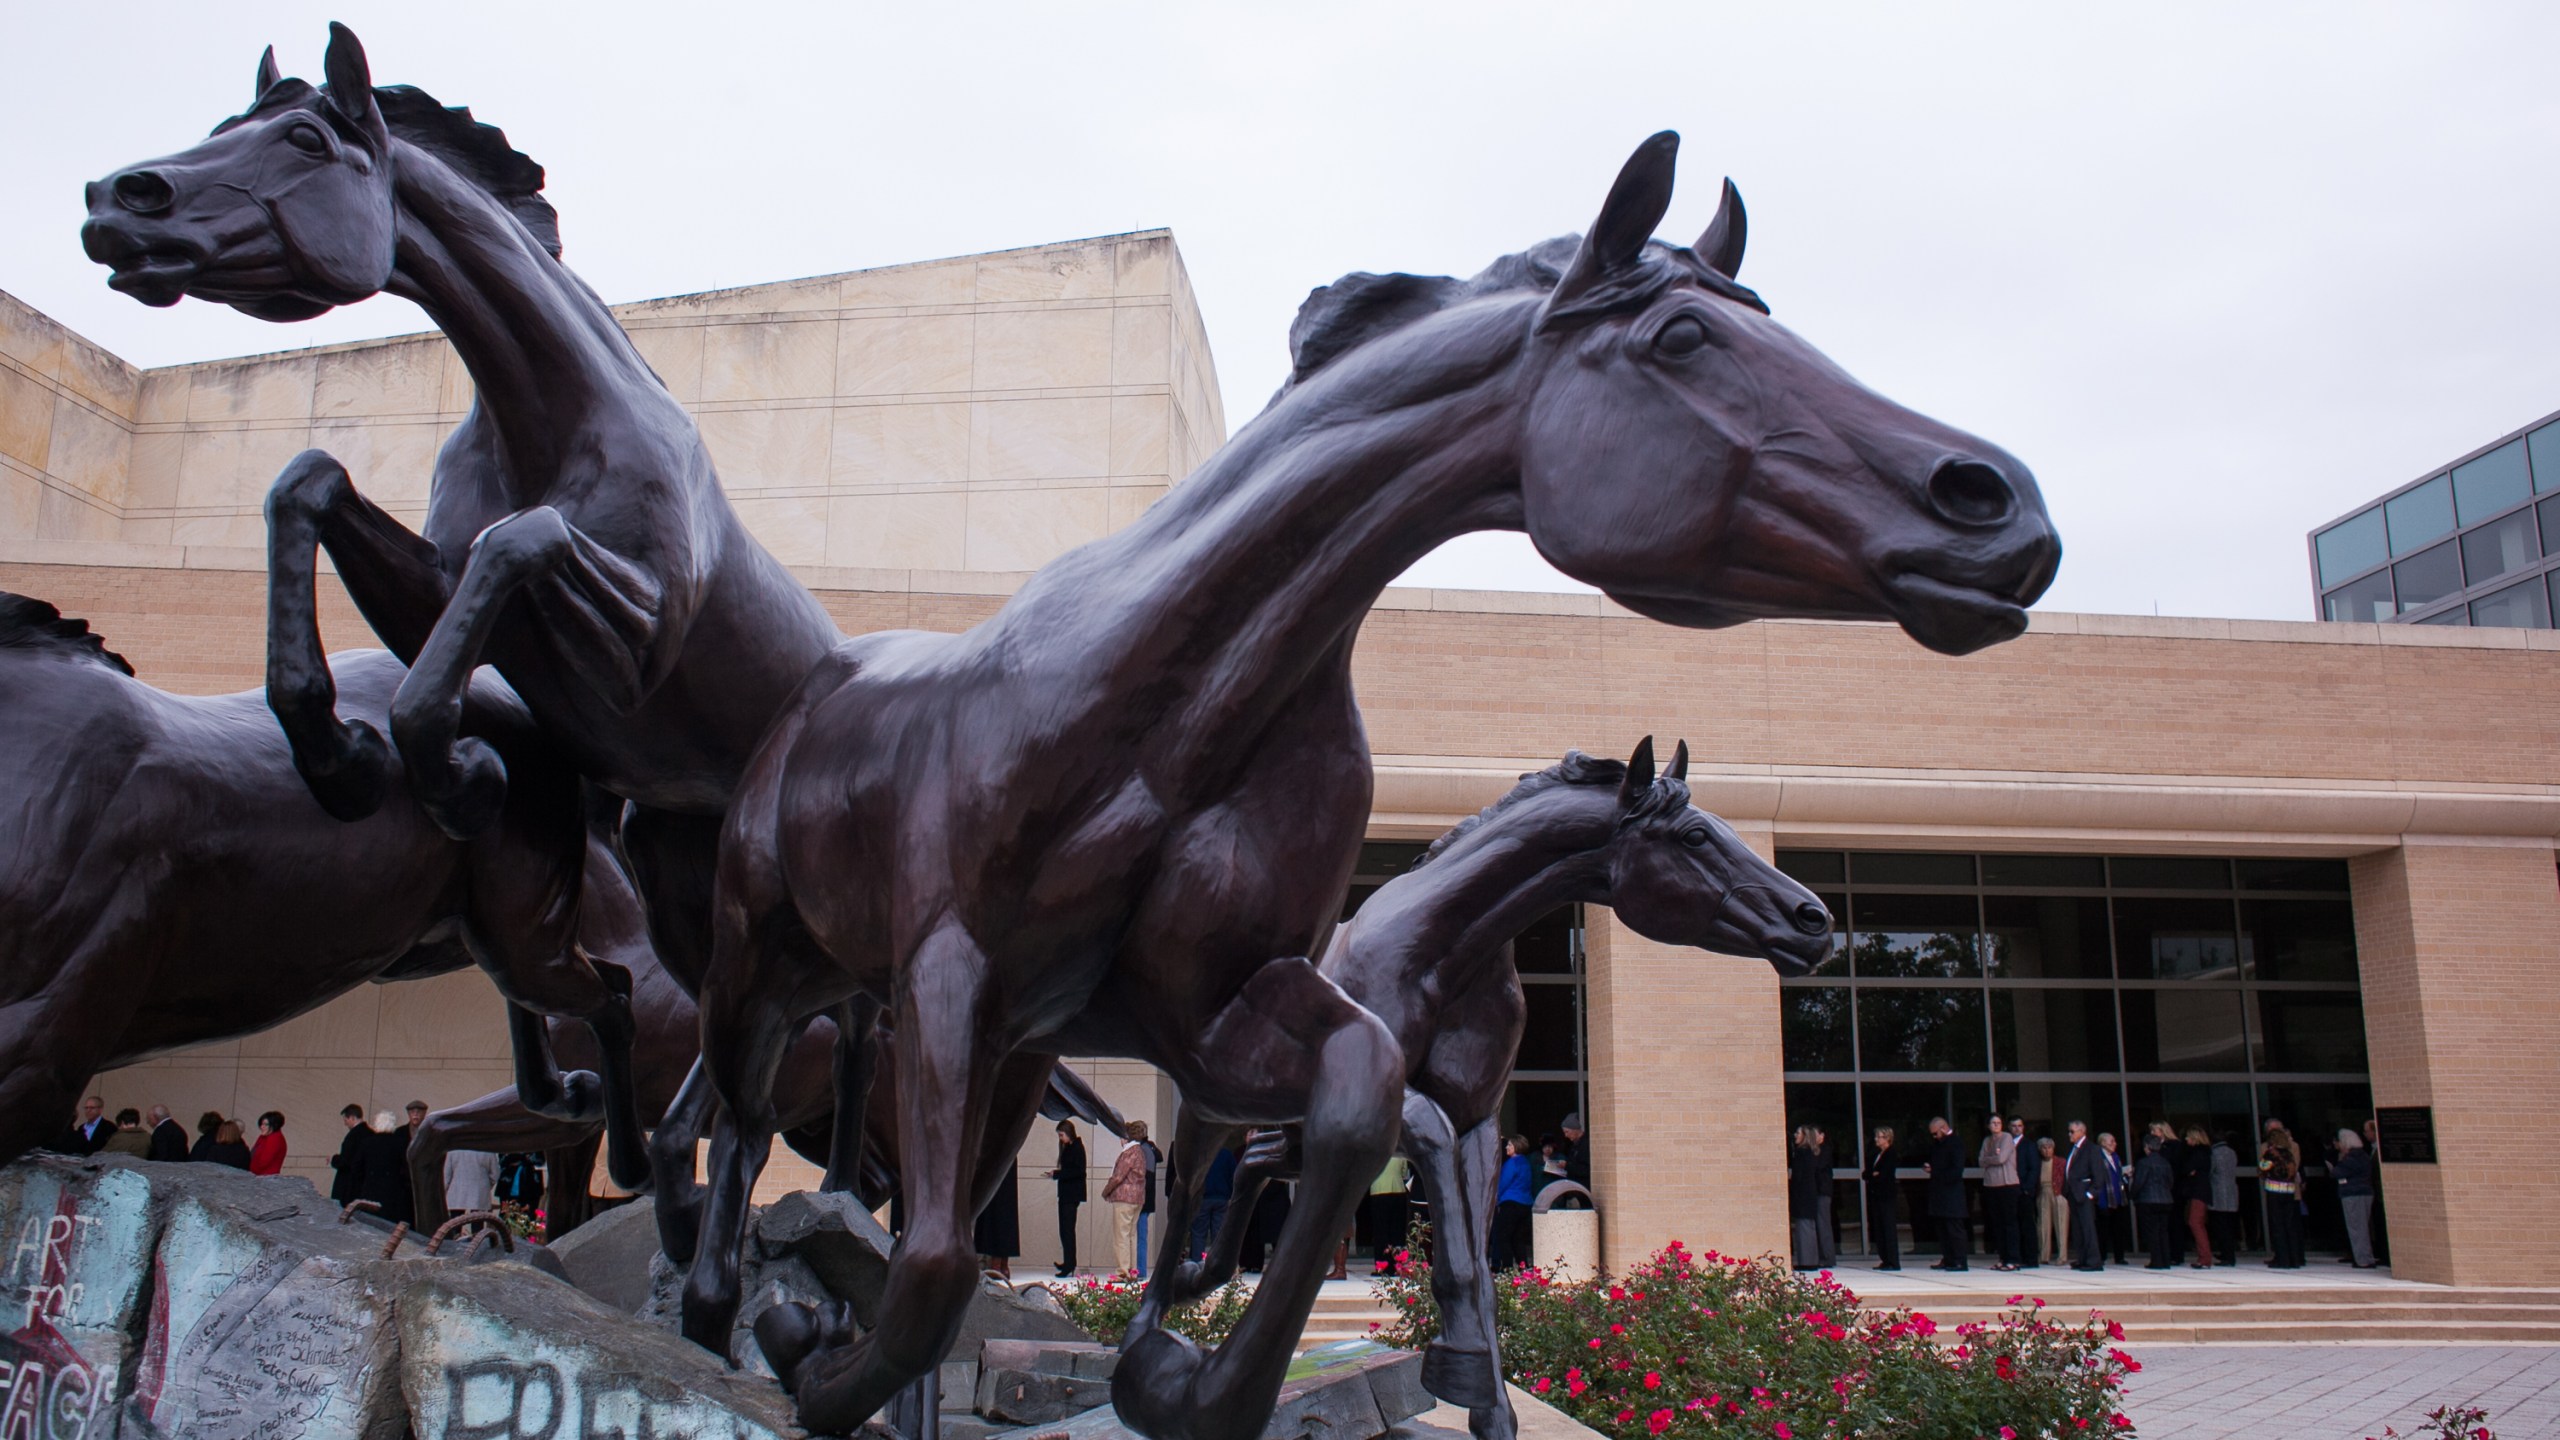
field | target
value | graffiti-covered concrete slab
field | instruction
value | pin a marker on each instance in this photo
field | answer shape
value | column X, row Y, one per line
column 79, row 1248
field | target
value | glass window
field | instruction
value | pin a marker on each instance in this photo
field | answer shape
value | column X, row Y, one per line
column 2186, row 1028
column 2175, row 939
column 1547, row 1040
column 1919, row 936
column 2549, row 515
column 2292, row 874
column 1831, row 1105
column 2525, row 606
column 1920, row 1029
column 2045, row 872
column 2033, row 1028
column 2545, row 445
column 2220, row 1108
column 2298, row 940
column 1536, row 1108
column 2311, row 1032
column 1904, row 867
column 2458, row 615
column 2494, row 482
column 1814, row 1024
column 2352, row 546
column 1546, row 947
column 1815, row 867
column 2421, row 515
column 1907, row 1107
column 2169, row 872
column 2049, row 1107
column 1837, row 962
column 2426, row 577
column 2315, row 1113
column 2046, row 937
column 2500, row 546
column 2365, row 601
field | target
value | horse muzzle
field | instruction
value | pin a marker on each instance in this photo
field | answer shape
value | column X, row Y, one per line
column 154, row 269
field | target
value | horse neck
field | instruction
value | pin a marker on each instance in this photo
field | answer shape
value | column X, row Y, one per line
column 543, row 351
column 1493, row 882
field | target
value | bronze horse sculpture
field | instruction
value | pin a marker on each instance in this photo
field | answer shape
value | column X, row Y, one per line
column 1117, row 817
column 576, row 535
column 166, row 880
column 1430, row 955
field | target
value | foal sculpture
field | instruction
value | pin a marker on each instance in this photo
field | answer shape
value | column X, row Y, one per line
column 1117, row 816
column 1430, row 955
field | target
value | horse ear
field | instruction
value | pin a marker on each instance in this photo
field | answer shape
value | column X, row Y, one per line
column 1636, row 204
column 1678, row 769
column 1721, row 246
column 1639, row 773
column 268, row 72
column 351, row 85
column 1356, row 309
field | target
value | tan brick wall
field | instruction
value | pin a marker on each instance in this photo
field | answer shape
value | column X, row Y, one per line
column 2459, row 946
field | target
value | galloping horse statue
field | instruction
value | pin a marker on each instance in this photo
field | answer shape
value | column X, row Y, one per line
column 1116, row 817
column 576, row 535
column 1430, row 955
column 166, row 880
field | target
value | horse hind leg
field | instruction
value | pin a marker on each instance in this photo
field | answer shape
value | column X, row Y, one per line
column 497, row 1121
column 1464, row 1365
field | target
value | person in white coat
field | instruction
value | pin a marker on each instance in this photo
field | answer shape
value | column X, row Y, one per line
column 470, row 1180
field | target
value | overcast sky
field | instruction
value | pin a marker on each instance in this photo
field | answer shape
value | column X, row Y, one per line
column 2218, row 273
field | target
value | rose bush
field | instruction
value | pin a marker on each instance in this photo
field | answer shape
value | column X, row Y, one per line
column 1711, row 1345
column 1103, row 1305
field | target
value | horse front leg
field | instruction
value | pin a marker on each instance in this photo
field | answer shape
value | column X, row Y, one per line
column 1179, row 1279
column 495, row 1122
column 677, row 1194
column 393, row 575
column 1464, row 1365
column 601, row 612
column 1291, row 1031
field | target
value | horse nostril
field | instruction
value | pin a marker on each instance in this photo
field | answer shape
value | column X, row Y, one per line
column 1969, row 492
column 1812, row 919
column 143, row 192
column 89, row 194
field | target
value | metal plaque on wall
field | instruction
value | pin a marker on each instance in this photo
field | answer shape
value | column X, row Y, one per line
column 2408, row 1134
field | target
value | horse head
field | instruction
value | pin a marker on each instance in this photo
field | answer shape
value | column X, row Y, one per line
column 289, row 208
column 1680, row 876
column 1695, row 459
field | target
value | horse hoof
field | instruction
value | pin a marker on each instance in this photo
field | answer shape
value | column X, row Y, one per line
column 581, row 1102
column 471, row 802
column 788, row 1334
column 350, row 779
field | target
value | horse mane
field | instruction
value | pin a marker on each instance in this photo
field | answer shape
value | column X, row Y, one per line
column 1575, row 768
column 27, row 623
column 477, row 150
column 1361, row 307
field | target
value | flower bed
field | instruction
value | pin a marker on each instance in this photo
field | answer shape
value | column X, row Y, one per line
column 1103, row 1306
column 1713, row 1345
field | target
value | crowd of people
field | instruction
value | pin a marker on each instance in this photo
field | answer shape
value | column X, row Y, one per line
column 2081, row 1199
column 371, row 1163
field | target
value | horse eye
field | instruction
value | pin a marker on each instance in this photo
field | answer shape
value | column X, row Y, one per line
column 1695, row 837
column 1684, row 336
column 307, row 139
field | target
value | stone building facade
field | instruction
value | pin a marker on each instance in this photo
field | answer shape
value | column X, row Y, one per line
column 913, row 440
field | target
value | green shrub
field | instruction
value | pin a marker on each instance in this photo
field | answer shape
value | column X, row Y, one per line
column 1697, row 1346
column 1103, row 1305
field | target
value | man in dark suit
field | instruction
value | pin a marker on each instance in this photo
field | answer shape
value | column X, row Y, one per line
column 349, row 1161
column 2083, row 1172
column 88, row 1135
column 168, row 1137
column 1946, row 1195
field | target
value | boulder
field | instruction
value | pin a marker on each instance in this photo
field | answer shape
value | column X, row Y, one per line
column 1001, row 1312
column 608, row 1257
column 79, row 1243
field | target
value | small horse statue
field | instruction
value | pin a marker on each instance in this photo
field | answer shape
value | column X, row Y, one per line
column 576, row 536
column 1116, row 817
column 166, row 880
column 1430, row 955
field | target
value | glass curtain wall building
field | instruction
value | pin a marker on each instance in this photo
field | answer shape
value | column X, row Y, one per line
column 2115, row 990
column 2477, row 543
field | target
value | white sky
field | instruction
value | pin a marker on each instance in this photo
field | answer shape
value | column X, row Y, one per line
column 2218, row 273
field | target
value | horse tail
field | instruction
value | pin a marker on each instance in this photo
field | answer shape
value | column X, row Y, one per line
column 27, row 623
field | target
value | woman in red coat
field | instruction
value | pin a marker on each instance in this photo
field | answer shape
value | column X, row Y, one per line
column 267, row 1156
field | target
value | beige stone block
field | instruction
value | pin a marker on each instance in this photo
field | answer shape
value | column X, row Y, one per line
column 1026, row 529
column 189, row 1087
column 940, row 282
column 458, row 389
column 768, row 449
column 89, row 451
column 456, row 1018
column 228, row 532
column 70, row 515
column 1138, row 424
column 394, row 1086
column 26, row 417
column 346, row 1028
column 101, row 379
column 21, row 500
column 815, row 294
column 163, row 399
column 403, row 378
column 392, row 462
column 309, row 1097
column 1141, row 341
column 29, row 338
column 675, row 353
column 793, row 527
column 912, row 444
column 1128, row 502
column 1052, row 272
column 152, row 530
column 233, row 469
column 1040, row 439
column 769, row 360
column 151, row 476
column 1043, row 349
column 902, row 354
column 916, row 531
column 1144, row 266
column 272, row 389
